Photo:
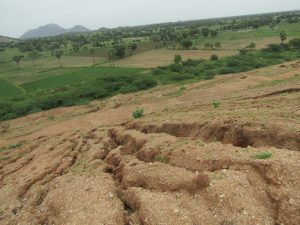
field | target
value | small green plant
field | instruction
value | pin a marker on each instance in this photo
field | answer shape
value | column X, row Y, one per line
column 80, row 167
column 50, row 117
column 160, row 158
column 138, row 113
column 11, row 146
column 182, row 88
column 4, row 158
column 199, row 142
column 216, row 104
column 263, row 155
column 214, row 57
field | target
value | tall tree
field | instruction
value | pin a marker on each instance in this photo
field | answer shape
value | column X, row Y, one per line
column 205, row 32
column 33, row 55
column 218, row 44
column 132, row 47
column 17, row 59
column 283, row 36
column 111, row 55
column 92, row 50
column 58, row 55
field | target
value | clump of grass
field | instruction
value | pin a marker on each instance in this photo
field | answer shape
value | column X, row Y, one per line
column 199, row 142
column 160, row 158
column 4, row 158
column 50, row 117
column 182, row 88
column 11, row 146
column 80, row 167
column 263, row 155
column 138, row 113
column 216, row 104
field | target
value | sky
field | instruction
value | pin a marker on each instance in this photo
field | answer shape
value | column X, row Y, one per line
column 18, row 16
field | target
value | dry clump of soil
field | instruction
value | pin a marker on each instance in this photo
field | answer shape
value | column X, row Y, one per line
column 185, row 163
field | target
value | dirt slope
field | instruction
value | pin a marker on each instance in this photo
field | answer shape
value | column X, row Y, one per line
column 185, row 163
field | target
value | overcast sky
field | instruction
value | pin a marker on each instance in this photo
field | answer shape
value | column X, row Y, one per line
column 18, row 16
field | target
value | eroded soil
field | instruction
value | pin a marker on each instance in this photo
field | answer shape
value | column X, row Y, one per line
column 185, row 163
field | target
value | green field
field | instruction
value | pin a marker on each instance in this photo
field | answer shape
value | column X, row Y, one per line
column 74, row 76
column 42, row 84
column 8, row 89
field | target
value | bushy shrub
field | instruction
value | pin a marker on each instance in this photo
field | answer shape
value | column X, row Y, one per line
column 175, row 67
column 214, row 57
column 193, row 62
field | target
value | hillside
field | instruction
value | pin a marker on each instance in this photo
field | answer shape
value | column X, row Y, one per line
column 52, row 30
column 4, row 39
column 198, row 156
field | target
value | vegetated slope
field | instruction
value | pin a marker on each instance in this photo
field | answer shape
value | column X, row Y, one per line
column 51, row 30
column 221, row 151
column 8, row 89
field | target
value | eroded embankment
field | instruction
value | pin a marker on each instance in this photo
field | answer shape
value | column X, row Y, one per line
column 124, row 177
column 197, row 183
column 237, row 133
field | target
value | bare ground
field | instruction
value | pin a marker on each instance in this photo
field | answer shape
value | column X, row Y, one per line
column 184, row 163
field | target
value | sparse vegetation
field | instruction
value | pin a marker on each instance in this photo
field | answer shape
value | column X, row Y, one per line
column 263, row 155
column 160, row 158
column 216, row 104
column 138, row 113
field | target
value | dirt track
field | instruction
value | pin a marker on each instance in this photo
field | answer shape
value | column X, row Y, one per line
column 184, row 163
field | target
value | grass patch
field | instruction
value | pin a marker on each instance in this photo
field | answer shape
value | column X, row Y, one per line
column 216, row 104
column 161, row 158
column 11, row 146
column 8, row 89
column 4, row 158
column 263, row 155
column 138, row 113
column 80, row 166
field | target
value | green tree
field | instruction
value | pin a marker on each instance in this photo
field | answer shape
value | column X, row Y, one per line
column 92, row 51
column 177, row 59
column 156, row 39
column 120, row 51
column 111, row 56
column 132, row 47
column 186, row 44
column 283, row 36
column 214, row 33
column 33, row 55
column 205, row 32
column 218, row 44
column 58, row 55
column 214, row 57
column 17, row 59
column 251, row 46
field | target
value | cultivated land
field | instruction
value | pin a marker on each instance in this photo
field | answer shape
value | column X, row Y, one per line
column 155, row 58
column 218, row 143
column 185, row 162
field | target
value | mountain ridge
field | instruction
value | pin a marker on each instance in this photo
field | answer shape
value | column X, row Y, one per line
column 50, row 30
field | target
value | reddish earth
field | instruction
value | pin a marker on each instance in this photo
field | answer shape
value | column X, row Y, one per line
column 184, row 163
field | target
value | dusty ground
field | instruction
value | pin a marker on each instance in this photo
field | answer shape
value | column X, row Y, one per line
column 185, row 163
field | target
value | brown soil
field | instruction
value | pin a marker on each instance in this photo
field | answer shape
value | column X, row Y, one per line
column 184, row 163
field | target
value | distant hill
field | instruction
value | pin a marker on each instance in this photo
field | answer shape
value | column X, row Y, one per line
column 4, row 39
column 52, row 30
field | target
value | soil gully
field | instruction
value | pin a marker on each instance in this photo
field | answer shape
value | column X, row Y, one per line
column 129, row 172
column 228, row 132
